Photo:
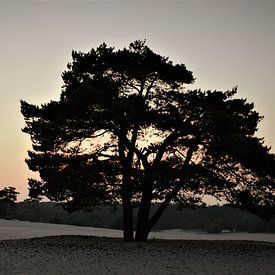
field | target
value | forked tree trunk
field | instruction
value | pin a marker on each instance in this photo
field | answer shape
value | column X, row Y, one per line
column 149, row 223
column 145, row 224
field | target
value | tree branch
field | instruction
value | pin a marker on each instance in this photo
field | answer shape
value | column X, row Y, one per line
column 168, row 141
column 100, row 134
column 139, row 154
column 132, row 143
column 174, row 192
column 149, row 87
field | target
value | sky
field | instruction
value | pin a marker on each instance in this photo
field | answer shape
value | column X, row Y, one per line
column 225, row 44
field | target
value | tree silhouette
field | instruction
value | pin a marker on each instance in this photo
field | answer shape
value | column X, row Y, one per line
column 125, row 130
column 8, row 197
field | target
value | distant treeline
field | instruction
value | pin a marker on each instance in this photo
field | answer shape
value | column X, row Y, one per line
column 211, row 219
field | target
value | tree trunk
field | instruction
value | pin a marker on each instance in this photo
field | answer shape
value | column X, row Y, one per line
column 142, row 230
column 144, row 222
column 155, row 218
column 128, row 228
column 126, row 193
column 142, row 234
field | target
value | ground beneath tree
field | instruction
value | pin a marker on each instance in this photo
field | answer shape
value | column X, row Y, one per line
column 97, row 255
column 33, row 248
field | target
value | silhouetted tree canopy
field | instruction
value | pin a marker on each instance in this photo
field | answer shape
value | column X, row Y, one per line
column 127, row 130
column 8, row 194
column 8, row 197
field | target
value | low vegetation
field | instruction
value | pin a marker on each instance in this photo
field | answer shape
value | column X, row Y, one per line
column 212, row 219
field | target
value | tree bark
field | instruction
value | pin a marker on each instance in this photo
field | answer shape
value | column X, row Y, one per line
column 143, row 219
column 142, row 230
column 155, row 218
column 128, row 228
column 126, row 193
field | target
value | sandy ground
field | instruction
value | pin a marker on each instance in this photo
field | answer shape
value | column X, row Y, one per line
column 13, row 229
column 100, row 255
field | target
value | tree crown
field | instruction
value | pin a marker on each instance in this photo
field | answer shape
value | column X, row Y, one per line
column 126, row 114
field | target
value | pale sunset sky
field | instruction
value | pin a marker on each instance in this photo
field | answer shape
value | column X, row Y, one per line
column 224, row 43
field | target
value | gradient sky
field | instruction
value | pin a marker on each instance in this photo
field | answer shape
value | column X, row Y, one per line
column 225, row 43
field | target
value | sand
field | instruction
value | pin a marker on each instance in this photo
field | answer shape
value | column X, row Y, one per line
column 14, row 229
column 76, row 254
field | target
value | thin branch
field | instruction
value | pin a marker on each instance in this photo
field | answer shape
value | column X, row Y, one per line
column 101, row 134
column 139, row 154
column 167, row 141
column 133, row 86
column 128, row 83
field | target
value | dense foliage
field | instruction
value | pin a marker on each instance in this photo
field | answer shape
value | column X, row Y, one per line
column 8, row 194
column 126, row 130
column 8, row 197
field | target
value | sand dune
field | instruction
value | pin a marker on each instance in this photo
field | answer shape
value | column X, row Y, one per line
column 87, row 254
column 13, row 229
column 97, row 255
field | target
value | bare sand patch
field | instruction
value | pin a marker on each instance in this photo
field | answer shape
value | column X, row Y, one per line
column 14, row 229
column 97, row 255
column 24, row 250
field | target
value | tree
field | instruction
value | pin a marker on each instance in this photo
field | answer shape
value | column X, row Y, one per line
column 8, row 197
column 126, row 130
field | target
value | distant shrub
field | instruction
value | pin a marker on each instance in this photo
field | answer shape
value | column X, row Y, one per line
column 212, row 219
column 258, row 227
column 271, row 226
column 214, row 227
column 56, row 219
column 117, row 224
